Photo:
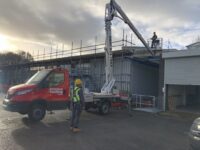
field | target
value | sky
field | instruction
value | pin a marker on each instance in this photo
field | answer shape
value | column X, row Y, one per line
column 37, row 24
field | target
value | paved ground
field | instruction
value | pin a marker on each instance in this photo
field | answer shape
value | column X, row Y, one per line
column 117, row 131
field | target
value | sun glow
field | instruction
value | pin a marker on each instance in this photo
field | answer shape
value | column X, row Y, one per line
column 5, row 44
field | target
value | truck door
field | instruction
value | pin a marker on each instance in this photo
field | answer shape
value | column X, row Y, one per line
column 56, row 92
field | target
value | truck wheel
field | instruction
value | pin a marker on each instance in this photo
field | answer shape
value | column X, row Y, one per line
column 104, row 108
column 23, row 112
column 37, row 112
column 87, row 107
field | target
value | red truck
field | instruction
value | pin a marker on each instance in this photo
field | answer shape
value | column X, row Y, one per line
column 50, row 90
column 46, row 90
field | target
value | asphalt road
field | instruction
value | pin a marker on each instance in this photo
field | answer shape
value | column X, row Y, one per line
column 116, row 131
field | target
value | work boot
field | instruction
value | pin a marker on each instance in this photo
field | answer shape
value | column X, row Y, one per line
column 76, row 130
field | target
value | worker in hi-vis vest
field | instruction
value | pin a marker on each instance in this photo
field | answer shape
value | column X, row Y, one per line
column 77, row 105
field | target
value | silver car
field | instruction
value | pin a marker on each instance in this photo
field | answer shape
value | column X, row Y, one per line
column 194, row 135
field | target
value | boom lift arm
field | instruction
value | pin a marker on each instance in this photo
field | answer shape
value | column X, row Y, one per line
column 111, row 11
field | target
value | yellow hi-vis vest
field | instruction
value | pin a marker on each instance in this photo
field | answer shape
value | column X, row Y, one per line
column 76, row 97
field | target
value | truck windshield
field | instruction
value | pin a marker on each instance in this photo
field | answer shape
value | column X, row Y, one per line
column 38, row 77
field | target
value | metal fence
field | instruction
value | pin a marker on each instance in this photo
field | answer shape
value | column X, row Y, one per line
column 143, row 100
column 158, row 43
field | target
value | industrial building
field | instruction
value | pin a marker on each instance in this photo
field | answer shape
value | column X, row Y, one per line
column 171, row 76
column 181, row 79
column 136, row 72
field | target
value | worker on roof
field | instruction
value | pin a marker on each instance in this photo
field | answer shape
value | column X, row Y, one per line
column 77, row 105
column 154, row 40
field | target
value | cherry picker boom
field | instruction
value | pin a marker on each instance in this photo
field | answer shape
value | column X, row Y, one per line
column 103, row 100
column 111, row 11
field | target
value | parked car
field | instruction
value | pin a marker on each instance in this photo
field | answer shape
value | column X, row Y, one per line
column 194, row 135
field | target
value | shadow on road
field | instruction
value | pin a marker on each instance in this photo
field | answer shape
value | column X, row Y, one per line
column 116, row 131
column 44, row 136
column 97, row 133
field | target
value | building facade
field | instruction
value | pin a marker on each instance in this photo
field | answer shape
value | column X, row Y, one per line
column 181, row 80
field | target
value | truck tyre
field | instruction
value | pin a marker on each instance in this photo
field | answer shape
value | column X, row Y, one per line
column 23, row 112
column 104, row 108
column 87, row 107
column 37, row 112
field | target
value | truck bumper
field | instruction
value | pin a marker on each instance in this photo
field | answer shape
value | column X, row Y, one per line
column 15, row 107
column 194, row 142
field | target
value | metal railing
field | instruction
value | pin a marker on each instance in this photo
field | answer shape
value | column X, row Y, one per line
column 158, row 45
column 79, row 51
column 80, row 71
column 143, row 100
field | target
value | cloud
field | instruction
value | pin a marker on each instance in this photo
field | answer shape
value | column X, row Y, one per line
column 50, row 20
column 63, row 21
column 173, row 20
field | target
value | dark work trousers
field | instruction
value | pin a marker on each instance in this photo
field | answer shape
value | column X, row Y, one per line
column 75, row 114
column 153, row 44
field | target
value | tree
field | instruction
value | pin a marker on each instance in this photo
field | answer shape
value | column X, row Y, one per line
column 10, row 58
column 14, row 75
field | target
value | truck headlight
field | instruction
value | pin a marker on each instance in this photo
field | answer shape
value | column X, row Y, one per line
column 195, row 129
column 23, row 92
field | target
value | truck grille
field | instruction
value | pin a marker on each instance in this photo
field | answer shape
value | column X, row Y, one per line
column 9, row 96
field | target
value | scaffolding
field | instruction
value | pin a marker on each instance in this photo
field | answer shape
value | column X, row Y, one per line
column 80, row 51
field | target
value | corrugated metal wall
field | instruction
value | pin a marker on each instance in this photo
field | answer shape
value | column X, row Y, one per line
column 182, row 71
column 121, row 71
column 98, row 73
column 131, row 76
column 122, row 74
column 144, row 79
